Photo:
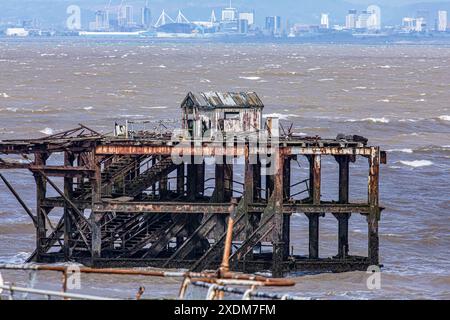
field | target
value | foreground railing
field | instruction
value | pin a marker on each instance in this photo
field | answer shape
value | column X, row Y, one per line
column 214, row 288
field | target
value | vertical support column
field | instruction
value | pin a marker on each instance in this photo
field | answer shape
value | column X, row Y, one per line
column 180, row 179
column 41, row 191
column 315, row 185
column 249, row 195
column 220, row 183
column 163, row 184
column 69, row 160
column 220, row 198
column 373, row 196
column 270, row 181
column 200, row 178
column 96, row 235
column 286, row 197
column 228, row 179
column 257, row 180
column 191, row 180
column 278, row 236
column 154, row 185
column 343, row 218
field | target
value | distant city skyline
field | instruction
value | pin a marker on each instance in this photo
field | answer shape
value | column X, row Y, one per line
column 327, row 14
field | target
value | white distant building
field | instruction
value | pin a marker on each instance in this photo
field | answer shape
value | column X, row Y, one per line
column 413, row 24
column 442, row 21
column 125, row 16
column 16, row 32
column 249, row 16
column 229, row 14
column 350, row 19
column 363, row 20
column 325, row 21
column 374, row 20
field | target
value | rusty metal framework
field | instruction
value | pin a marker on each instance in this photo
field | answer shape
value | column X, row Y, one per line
column 125, row 202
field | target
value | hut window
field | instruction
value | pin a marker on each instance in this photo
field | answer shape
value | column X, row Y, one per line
column 232, row 115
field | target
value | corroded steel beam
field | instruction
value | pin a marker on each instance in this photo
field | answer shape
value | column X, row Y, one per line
column 319, row 209
column 62, row 171
column 167, row 207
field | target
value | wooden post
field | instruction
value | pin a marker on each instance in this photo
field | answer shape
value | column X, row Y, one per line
column 278, row 236
column 373, row 196
column 315, row 183
column 343, row 218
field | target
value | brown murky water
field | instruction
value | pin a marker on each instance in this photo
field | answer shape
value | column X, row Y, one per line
column 397, row 96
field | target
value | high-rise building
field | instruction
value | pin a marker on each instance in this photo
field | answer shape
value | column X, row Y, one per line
column 442, row 21
column 423, row 16
column 146, row 17
column 325, row 21
column 125, row 16
column 249, row 16
column 350, row 19
column 374, row 21
column 413, row 24
column 273, row 25
column 362, row 21
column 101, row 20
column 243, row 26
column 229, row 14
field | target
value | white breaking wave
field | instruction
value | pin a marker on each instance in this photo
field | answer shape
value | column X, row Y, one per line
column 401, row 150
column 4, row 95
column 375, row 120
column 88, row 108
column 326, row 79
column 20, row 257
column 280, row 116
column 417, row 163
column 250, row 78
column 47, row 131
column 444, row 118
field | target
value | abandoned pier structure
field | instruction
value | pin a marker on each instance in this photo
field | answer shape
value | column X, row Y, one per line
column 162, row 199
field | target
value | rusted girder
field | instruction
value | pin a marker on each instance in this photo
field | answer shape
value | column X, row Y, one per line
column 319, row 209
column 62, row 171
column 162, row 207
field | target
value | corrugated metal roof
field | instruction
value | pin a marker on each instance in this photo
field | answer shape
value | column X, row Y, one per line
column 215, row 100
